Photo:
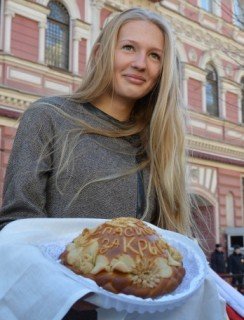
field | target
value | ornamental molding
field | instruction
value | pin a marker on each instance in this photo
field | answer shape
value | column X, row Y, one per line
column 189, row 31
column 213, row 147
column 127, row 4
column 15, row 101
column 97, row 3
column 204, row 177
column 80, row 30
column 27, row 9
column 30, row 66
column 215, row 121
column 71, row 6
column 230, row 86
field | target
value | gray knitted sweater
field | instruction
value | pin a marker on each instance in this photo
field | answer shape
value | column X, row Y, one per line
column 31, row 188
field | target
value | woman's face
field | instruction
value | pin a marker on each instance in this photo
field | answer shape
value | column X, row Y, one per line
column 138, row 60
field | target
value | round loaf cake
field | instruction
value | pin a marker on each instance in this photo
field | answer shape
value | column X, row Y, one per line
column 125, row 255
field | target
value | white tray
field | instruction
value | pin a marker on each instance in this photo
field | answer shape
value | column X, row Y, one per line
column 194, row 262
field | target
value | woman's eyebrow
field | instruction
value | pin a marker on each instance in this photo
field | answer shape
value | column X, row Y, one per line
column 135, row 42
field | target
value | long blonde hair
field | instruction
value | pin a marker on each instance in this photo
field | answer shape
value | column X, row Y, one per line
column 159, row 118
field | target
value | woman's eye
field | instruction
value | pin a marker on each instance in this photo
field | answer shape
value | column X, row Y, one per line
column 155, row 56
column 128, row 47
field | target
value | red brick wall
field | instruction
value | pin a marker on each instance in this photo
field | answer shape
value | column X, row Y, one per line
column 229, row 181
column 103, row 16
column 191, row 14
column 7, row 135
column 81, row 5
column 194, row 2
column 226, row 10
column 231, row 107
column 24, row 38
column 82, row 56
column 195, row 94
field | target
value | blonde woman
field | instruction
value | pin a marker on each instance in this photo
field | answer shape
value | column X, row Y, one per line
column 115, row 147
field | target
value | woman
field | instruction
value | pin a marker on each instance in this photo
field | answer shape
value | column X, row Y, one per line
column 115, row 147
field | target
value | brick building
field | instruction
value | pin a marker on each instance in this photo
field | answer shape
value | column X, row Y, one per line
column 44, row 47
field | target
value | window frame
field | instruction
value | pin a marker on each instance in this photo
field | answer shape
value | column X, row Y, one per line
column 65, row 47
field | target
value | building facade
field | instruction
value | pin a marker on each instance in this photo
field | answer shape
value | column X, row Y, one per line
column 44, row 45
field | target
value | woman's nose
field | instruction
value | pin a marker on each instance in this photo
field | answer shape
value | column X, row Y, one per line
column 139, row 61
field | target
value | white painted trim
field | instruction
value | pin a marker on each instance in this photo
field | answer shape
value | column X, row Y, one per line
column 2, row 24
column 75, row 67
column 230, row 87
column 7, row 33
column 24, row 76
column 71, row 6
column 189, row 73
column 88, row 17
column 222, row 96
column 17, row 8
column 217, row 8
column 234, row 134
column 239, row 107
column 41, row 45
column 170, row 5
column 95, row 27
column 181, row 51
column 213, row 58
column 198, row 124
column 57, row 86
column 239, row 76
column 79, row 33
column 214, row 129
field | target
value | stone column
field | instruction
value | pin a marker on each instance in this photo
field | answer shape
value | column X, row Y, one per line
column 96, row 6
column 240, row 120
column 75, row 62
column 185, row 90
column 204, row 100
column 222, row 102
column 7, row 34
column 41, row 49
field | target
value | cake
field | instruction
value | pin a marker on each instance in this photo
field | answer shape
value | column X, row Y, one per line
column 125, row 255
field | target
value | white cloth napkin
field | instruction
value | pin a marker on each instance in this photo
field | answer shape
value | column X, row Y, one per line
column 228, row 293
column 33, row 287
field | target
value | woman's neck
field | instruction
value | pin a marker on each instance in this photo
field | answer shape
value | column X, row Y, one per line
column 119, row 109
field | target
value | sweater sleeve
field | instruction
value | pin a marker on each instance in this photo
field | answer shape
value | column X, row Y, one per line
column 28, row 170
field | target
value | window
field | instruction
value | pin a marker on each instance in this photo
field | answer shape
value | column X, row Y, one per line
column 242, row 99
column 207, row 5
column 239, row 13
column 57, row 36
column 212, row 91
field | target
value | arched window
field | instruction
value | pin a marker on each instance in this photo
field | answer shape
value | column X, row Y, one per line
column 242, row 98
column 57, row 36
column 212, row 91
